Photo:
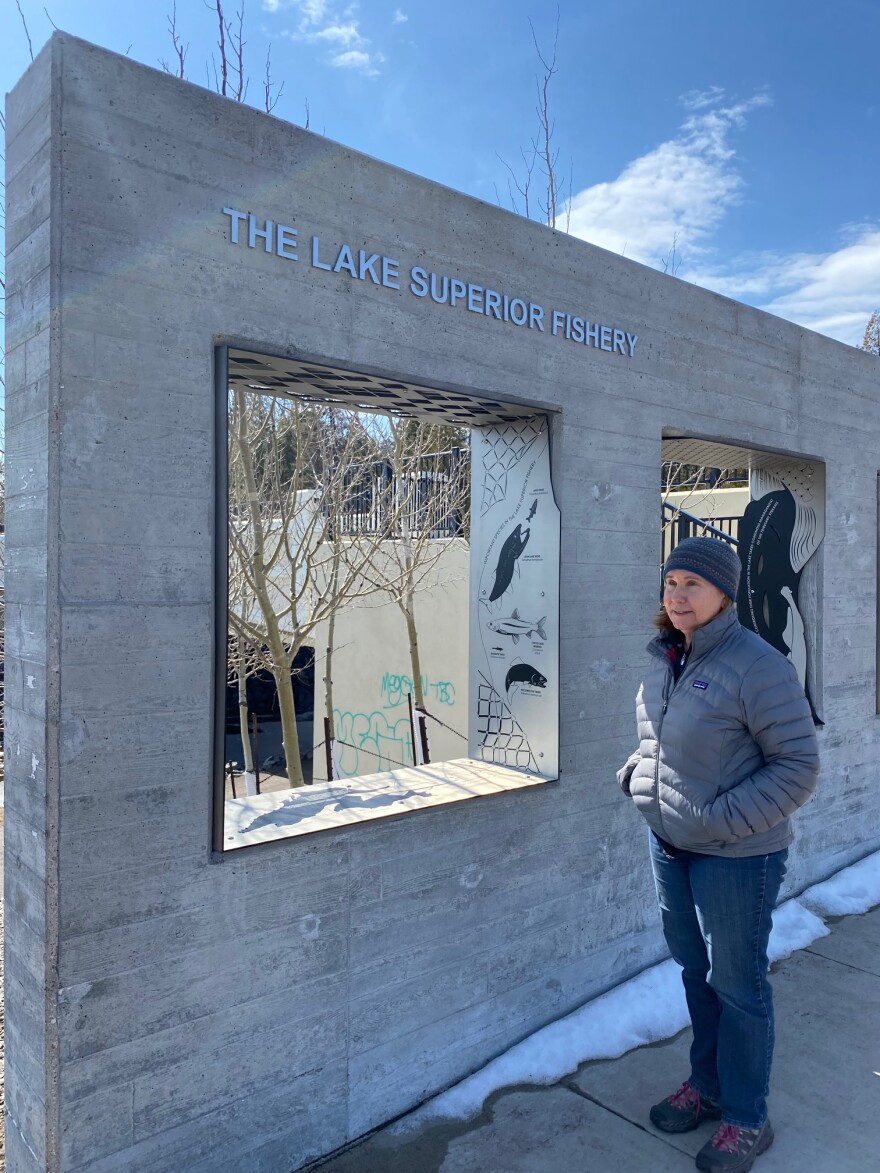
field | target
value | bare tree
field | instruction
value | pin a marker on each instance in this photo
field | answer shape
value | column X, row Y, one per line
column 243, row 663
column 180, row 50
column 871, row 341
column 541, row 156
column 227, row 71
column 671, row 263
column 290, row 568
column 429, row 499
column 693, row 486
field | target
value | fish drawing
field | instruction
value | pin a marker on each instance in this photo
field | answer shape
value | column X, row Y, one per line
column 514, row 544
column 515, row 626
column 533, row 510
column 524, row 674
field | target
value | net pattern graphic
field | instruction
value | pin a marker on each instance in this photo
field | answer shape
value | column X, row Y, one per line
column 503, row 449
column 502, row 740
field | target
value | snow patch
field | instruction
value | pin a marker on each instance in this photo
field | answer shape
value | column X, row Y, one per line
column 645, row 1009
column 35, row 761
column 850, row 893
column 794, row 927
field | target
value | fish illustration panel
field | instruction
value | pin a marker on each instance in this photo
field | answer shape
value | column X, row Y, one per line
column 781, row 529
column 514, row 637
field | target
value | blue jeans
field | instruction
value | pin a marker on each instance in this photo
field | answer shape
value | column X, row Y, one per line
column 716, row 914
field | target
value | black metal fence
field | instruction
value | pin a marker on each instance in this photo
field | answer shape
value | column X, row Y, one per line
column 678, row 524
column 429, row 495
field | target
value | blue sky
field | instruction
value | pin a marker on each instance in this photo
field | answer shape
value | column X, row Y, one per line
column 747, row 133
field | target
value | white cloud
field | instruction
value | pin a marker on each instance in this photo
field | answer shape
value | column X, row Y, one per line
column 322, row 22
column 357, row 59
column 678, row 191
column 345, row 34
column 399, row 17
column 833, row 292
column 700, row 99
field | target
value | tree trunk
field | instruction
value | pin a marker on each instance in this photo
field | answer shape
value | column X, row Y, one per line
column 331, row 632
column 289, row 732
column 250, row 777
column 328, row 680
column 408, row 609
column 280, row 659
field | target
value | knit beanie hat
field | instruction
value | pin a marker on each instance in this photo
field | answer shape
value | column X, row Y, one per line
column 711, row 559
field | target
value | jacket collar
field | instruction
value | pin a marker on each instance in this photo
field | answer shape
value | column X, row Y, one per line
column 705, row 638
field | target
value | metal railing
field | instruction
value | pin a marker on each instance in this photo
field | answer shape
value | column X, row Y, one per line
column 678, row 524
column 430, row 494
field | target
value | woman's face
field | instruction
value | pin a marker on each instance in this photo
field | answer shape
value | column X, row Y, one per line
column 690, row 601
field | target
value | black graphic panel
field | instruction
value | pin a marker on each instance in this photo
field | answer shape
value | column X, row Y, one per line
column 767, row 601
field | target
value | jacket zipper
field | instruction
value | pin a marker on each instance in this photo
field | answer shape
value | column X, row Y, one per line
column 667, row 691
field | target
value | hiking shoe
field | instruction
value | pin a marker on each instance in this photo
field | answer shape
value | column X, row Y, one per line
column 733, row 1149
column 683, row 1110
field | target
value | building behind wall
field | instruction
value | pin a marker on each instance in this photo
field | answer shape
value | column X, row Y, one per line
column 169, row 1008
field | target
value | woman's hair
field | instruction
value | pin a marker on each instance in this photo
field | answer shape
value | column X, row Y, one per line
column 662, row 620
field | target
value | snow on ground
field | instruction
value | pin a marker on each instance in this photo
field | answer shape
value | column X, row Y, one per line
column 794, row 927
column 647, row 1008
column 280, row 814
column 852, row 891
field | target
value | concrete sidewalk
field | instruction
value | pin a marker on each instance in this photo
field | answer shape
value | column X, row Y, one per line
column 825, row 1101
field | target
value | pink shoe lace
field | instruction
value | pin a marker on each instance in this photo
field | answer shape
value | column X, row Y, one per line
column 685, row 1097
column 727, row 1138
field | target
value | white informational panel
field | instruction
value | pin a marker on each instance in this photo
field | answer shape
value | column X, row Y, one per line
column 514, row 620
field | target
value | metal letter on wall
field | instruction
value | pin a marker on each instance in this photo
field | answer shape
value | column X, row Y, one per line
column 514, row 621
column 781, row 529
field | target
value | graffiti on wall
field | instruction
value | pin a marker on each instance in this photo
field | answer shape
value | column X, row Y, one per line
column 380, row 740
column 371, row 743
column 396, row 686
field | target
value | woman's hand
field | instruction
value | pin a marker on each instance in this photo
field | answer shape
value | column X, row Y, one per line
column 625, row 773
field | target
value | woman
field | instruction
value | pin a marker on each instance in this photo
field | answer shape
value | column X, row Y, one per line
column 727, row 753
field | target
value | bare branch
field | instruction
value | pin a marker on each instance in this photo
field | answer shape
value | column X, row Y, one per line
column 238, row 44
column 568, row 197
column 543, row 147
column 180, row 50
column 671, row 263
column 26, row 33
column 221, row 45
column 270, row 100
column 522, row 186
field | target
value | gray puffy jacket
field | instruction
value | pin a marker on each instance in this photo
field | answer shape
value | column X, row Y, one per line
column 728, row 751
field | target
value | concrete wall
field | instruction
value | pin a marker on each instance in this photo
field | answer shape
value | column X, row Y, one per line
column 708, row 503
column 169, row 1012
column 372, row 671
